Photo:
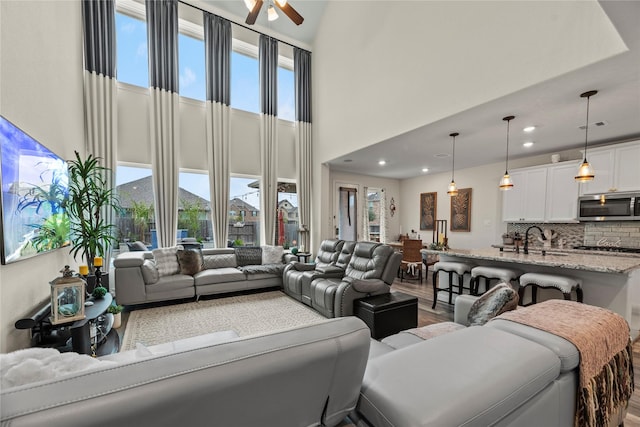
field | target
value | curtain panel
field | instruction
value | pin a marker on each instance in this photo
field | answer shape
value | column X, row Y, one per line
column 302, row 78
column 162, row 36
column 268, row 63
column 100, row 95
column 217, row 41
column 364, row 230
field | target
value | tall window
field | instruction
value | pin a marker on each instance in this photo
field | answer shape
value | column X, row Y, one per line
column 135, row 190
column 131, row 52
column 244, row 211
column 286, row 95
column 194, row 207
column 192, row 68
column 287, row 219
column 245, row 83
column 374, row 210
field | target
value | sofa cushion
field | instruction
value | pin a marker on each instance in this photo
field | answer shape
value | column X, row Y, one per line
column 495, row 301
column 272, row 254
column 167, row 260
column 190, row 261
column 218, row 275
column 220, row 261
column 249, row 255
column 266, row 271
column 150, row 273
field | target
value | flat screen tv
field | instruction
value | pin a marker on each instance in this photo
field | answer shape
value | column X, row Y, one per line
column 35, row 186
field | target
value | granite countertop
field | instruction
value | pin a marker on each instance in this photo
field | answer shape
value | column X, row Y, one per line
column 572, row 259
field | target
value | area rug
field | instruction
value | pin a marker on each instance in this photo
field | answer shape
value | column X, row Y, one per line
column 245, row 314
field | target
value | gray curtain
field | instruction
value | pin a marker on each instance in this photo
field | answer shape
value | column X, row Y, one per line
column 100, row 96
column 217, row 42
column 268, row 59
column 302, row 76
column 162, row 38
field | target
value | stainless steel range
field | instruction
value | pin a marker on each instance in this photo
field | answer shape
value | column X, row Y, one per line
column 608, row 249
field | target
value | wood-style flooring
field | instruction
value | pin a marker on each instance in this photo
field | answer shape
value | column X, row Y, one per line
column 444, row 312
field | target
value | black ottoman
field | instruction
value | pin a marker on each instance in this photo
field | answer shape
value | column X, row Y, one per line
column 387, row 314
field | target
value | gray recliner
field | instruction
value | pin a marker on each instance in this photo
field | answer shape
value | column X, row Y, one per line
column 370, row 271
column 298, row 274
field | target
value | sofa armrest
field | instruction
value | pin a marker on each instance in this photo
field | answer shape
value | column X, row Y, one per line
column 289, row 258
column 461, row 308
column 132, row 259
column 351, row 289
column 130, row 285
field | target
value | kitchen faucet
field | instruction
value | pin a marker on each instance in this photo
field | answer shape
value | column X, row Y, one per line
column 526, row 238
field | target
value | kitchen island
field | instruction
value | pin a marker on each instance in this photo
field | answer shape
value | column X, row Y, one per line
column 609, row 280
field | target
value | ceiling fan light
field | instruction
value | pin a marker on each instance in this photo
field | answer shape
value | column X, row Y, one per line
column 452, row 190
column 585, row 172
column 272, row 15
column 281, row 3
column 250, row 4
column 506, row 183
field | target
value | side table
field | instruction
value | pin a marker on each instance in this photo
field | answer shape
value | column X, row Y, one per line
column 303, row 256
column 387, row 314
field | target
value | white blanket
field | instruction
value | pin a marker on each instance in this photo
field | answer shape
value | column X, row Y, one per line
column 38, row 364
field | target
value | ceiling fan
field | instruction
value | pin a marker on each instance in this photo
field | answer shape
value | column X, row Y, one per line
column 254, row 7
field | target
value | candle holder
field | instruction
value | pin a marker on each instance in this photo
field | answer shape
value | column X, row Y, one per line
column 98, row 275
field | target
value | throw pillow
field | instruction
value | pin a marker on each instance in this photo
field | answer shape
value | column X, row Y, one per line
column 492, row 303
column 220, row 261
column 190, row 261
column 167, row 260
column 272, row 254
column 249, row 255
column 150, row 272
column 136, row 246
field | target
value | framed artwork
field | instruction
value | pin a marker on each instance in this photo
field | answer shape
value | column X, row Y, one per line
column 428, row 210
column 461, row 210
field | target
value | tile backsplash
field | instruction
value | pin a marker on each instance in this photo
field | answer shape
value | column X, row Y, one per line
column 614, row 233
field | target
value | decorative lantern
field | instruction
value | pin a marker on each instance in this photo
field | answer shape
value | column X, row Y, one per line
column 67, row 297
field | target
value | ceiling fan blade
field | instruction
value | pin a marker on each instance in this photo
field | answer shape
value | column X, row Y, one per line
column 251, row 17
column 291, row 13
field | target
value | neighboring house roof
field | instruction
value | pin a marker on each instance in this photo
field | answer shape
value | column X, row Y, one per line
column 239, row 204
column 141, row 190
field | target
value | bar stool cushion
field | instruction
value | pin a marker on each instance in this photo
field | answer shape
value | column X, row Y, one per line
column 504, row 274
column 492, row 303
column 456, row 267
column 565, row 284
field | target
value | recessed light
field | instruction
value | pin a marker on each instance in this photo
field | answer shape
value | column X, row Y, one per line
column 529, row 129
column 442, row 155
column 425, row 169
column 382, row 162
column 527, row 144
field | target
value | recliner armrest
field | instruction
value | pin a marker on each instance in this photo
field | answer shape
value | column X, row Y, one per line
column 302, row 266
column 332, row 270
column 367, row 286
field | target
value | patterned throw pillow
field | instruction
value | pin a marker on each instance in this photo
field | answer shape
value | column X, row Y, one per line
column 150, row 272
column 167, row 260
column 249, row 255
column 220, row 261
column 272, row 254
column 492, row 303
column 190, row 261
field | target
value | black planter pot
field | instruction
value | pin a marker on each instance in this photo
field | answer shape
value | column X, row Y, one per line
column 91, row 282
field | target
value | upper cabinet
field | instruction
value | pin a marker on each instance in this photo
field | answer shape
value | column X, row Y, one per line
column 616, row 169
column 542, row 194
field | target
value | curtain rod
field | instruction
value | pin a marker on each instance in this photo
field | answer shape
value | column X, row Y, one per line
column 240, row 25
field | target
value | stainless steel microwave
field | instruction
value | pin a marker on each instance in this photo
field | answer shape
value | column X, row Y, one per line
column 609, row 207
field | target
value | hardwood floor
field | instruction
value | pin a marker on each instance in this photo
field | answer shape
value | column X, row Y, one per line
column 444, row 312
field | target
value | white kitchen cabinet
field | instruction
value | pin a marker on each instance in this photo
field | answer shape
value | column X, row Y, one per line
column 562, row 193
column 526, row 200
column 615, row 167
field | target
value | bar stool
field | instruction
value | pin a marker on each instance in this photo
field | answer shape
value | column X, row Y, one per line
column 539, row 280
column 491, row 273
column 460, row 268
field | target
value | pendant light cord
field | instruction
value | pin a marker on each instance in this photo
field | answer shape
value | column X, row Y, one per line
column 586, row 131
column 453, row 166
column 506, row 164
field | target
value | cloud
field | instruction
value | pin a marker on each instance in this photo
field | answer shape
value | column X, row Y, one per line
column 141, row 52
column 128, row 28
column 187, row 77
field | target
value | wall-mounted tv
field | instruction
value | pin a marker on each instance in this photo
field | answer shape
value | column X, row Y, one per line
column 35, row 186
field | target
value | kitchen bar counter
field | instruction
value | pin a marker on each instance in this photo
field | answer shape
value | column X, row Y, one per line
column 609, row 280
column 606, row 262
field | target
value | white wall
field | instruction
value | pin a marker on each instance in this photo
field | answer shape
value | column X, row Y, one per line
column 40, row 92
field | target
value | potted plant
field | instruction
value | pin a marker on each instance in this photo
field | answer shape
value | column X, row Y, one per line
column 116, row 310
column 90, row 196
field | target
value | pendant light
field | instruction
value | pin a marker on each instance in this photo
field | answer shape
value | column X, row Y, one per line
column 585, row 172
column 452, row 190
column 505, row 182
column 272, row 15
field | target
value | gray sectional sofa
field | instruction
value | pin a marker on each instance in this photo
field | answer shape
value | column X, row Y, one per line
column 139, row 278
